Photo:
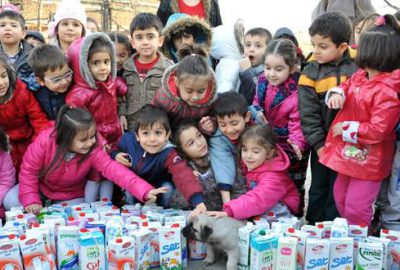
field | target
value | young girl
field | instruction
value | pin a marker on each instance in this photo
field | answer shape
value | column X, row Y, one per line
column 279, row 105
column 361, row 25
column 20, row 114
column 7, row 171
column 123, row 49
column 95, row 88
column 265, row 165
column 360, row 143
column 188, row 88
column 56, row 165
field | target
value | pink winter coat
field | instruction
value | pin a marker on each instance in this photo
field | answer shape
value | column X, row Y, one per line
column 67, row 181
column 268, row 185
column 7, row 174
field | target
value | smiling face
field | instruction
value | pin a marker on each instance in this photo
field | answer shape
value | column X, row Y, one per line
column 192, row 89
column 276, row 70
column 57, row 80
column 254, row 155
column 152, row 139
column 325, row 51
column 83, row 141
column 4, row 82
column 68, row 30
column 254, row 48
column 234, row 125
column 193, row 143
column 100, row 65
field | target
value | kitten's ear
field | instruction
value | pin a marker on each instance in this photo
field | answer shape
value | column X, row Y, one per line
column 205, row 233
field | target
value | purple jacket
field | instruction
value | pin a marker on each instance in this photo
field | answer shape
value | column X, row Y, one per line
column 7, row 174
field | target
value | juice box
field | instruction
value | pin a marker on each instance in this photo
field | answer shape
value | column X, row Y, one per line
column 142, row 248
column 263, row 249
column 387, row 257
column 91, row 252
column 121, row 254
column 287, row 253
column 317, row 254
column 244, row 234
column 370, row 256
column 301, row 237
column 394, row 237
column 33, row 248
column 170, row 247
column 10, row 257
column 68, row 248
column 341, row 253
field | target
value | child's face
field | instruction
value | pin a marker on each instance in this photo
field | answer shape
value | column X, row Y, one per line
column 183, row 39
column 146, row 42
column 4, row 82
column 193, row 143
column 11, row 32
column 69, row 30
column 34, row 41
column 254, row 155
column 234, row 125
column 152, row 139
column 57, row 80
column 122, row 54
column 325, row 51
column 276, row 70
column 192, row 89
column 254, row 48
column 83, row 141
column 100, row 65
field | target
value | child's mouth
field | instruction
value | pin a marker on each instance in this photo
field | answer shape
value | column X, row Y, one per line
column 251, row 57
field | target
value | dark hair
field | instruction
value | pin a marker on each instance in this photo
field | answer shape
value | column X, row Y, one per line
column 149, row 115
column 144, row 21
column 4, row 143
column 285, row 48
column 365, row 21
column 46, row 57
column 379, row 47
column 192, row 61
column 262, row 134
column 99, row 45
column 69, row 122
column 259, row 31
column 12, row 76
column 334, row 25
column 230, row 103
column 89, row 19
column 120, row 38
column 14, row 16
column 177, row 131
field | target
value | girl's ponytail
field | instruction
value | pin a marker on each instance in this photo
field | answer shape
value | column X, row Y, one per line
column 192, row 61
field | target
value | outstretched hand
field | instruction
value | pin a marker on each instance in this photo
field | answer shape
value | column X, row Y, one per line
column 152, row 194
column 217, row 214
column 200, row 208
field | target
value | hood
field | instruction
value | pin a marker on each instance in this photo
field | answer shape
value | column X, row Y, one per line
column 391, row 79
column 279, row 163
column 78, row 56
column 227, row 41
column 286, row 32
column 178, row 23
column 206, row 3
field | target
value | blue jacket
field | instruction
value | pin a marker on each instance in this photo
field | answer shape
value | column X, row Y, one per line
column 49, row 101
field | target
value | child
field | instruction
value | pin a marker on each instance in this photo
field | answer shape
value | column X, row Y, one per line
column 57, row 163
column 188, row 88
column 181, row 30
column 265, row 167
column 7, row 170
column 52, row 72
column 360, row 144
column 331, row 64
column 68, row 24
column 35, row 38
column 95, row 89
column 361, row 25
column 286, row 33
column 122, row 49
column 153, row 157
column 233, row 116
column 280, row 106
column 15, row 48
column 20, row 113
column 144, row 70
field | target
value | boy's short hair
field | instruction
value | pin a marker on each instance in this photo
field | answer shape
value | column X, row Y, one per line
column 149, row 115
column 13, row 16
column 334, row 25
column 230, row 103
column 46, row 57
column 259, row 31
column 144, row 21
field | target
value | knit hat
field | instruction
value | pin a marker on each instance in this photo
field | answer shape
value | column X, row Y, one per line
column 36, row 35
column 68, row 9
column 10, row 7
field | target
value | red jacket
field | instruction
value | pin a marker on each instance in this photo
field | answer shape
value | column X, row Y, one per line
column 371, row 111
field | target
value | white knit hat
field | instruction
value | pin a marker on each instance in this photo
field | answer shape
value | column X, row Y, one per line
column 68, row 9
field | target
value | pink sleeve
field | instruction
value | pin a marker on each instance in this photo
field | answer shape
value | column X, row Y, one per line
column 294, row 124
column 7, row 174
column 121, row 86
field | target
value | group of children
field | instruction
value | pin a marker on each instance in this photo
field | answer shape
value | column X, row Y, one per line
column 96, row 115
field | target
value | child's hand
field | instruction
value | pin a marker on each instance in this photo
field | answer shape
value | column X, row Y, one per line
column 337, row 129
column 296, row 149
column 200, row 208
column 335, row 101
column 151, row 196
column 245, row 63
column 260, row 117
column 122, row 158
column 207, row 125
column 34, row 208
column 217, row 214
column 123, row 122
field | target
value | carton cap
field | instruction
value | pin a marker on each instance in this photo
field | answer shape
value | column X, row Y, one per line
column 270, row 214
column 82, row 214
column 83, row 230
column 363, row 224
column 71, row 219
column 125, row 211
column 118, row 240
column 20, row 216
column 257, row 218
column 64, row 204
column 320, row 226
column 78, row 209
column 22, row 237
column 291, row 230
column 143, row 216
column 104, row 200
column 36, row 225
column 175, row 225
column 145, row 224
column 11, row 236
column 385, row 231
column 262, row 232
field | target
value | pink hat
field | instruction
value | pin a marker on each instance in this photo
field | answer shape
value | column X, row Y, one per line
column 68, row 9
column 10, row 7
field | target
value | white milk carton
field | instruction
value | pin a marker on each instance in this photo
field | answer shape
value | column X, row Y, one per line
column 341, row 253
column 326, row 234
column 154, row 228
column 394, row 237
column 340, row 228
column 10, row 257
column 68, row 248
column 317, row 254
column 91, row 253
column 313, row 231
column 184, row 248
column 142, row 248
column 121, row 254
column 370, row 256
column 261, row 222
column 387, row 257
column 301, row 237
column 170, row 247
column 358, row 233
column 49, row 240
column 287, row 253
column 244, row 234
column 33, row 248
column 198, row 250
column 114, row 227
column 263, row 248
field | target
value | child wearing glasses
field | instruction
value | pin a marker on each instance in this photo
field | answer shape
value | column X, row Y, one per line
column 52, row 72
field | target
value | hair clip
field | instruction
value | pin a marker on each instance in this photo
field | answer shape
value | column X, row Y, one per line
column 380, row 20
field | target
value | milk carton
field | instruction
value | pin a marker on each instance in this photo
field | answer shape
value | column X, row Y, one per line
column 142, row 248
column 244, row 234
column 121, row 254
column 286, row 259
column 370, row 256
column 358, row 233
column 154, row 228
column 387, row 257
column 394, row 237
column 49, row 240
column 327, row 225
column 114, row 228
column 10, row 257
column 313, row 231
column 184, row 248
column 33, row 248
column 68, row 248
column 341, row 253
column 198, row 250
column 340, row 228
column 301, row 245
column 261, row 222
column 170, row 247
column 263, row 250
column 91, row 252
column 317, row 254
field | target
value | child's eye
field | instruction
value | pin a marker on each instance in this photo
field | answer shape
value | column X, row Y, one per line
column 76, row 24
column 107, row 61
column 158, row 133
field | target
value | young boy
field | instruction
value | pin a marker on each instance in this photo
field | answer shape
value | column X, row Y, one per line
column 332, row 64
column 15, row 48
column 148, row 152
column 52, row 72
column 252, row 65
column 143, row 70
column 233, row 116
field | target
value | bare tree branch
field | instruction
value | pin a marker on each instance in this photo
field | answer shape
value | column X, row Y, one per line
column 391, row 5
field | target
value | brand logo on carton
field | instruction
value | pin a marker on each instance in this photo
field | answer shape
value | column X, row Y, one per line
column 337, row 262
column 169, row 235
column 392, row 237
column 170, row 248
column 268, row 257
column 68, row 235
column 317, row 249
column 126, row 245
column 93, row 252
column 286, row 251
column 31, row 242
column 368, row 253
column 356, row 232
column 93, row 265
column 5, row 247
column 314, row 263
column 341, row 247
column 312, row 233
column 143, row 251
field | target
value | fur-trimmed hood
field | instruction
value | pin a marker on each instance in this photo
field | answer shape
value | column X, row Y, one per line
column 178, row 23
column 78, row 57
column 206, row 4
